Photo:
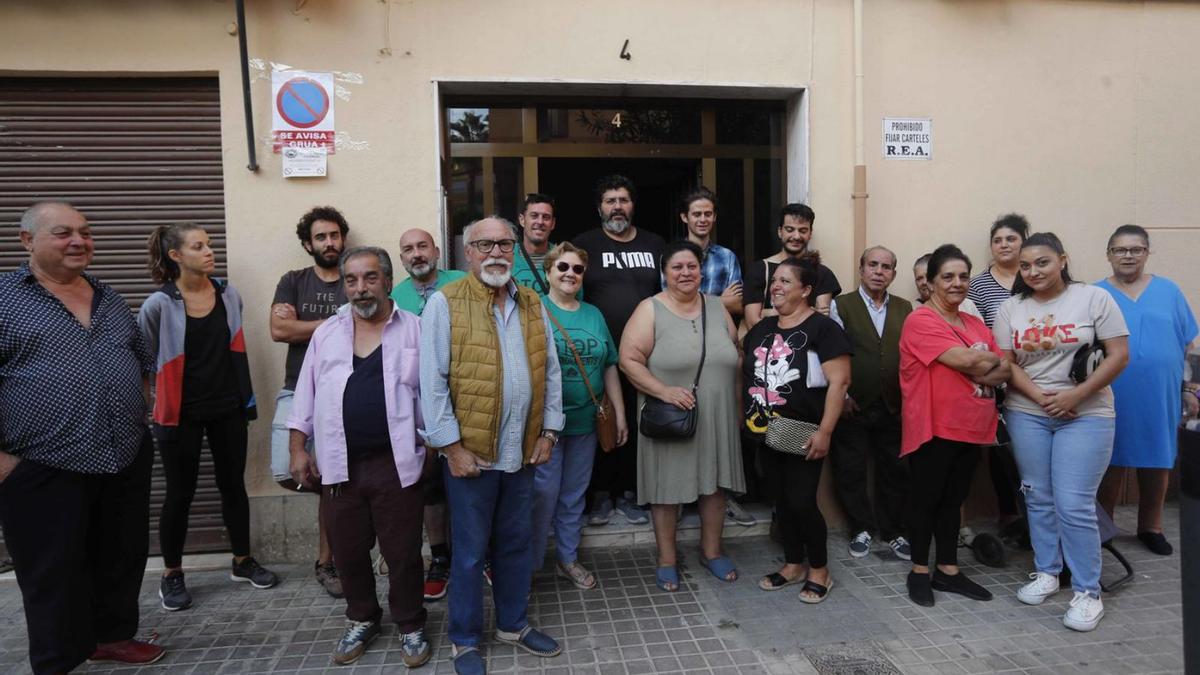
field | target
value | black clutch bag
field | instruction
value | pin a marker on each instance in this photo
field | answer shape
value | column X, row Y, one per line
column 659, row 419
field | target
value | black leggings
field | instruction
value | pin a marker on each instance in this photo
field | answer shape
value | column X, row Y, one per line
column 791, row 482
column 941, row 478
column 181, row 464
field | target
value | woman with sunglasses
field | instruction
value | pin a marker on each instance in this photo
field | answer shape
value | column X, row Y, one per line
column 588, row 357
column 1148, row 394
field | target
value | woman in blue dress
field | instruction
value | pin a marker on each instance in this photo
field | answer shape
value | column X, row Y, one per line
column 1149, row 392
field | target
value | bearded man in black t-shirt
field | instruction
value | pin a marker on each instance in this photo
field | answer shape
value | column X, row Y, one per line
column 623, row 270
column 303, row 300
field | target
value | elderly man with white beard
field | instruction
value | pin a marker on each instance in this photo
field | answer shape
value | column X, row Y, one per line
column 357, row 395
column 492, row 403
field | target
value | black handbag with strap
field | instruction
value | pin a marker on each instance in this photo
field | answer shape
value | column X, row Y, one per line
column 659, row 419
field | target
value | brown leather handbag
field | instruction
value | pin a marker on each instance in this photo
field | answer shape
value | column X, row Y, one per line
column 606, row 413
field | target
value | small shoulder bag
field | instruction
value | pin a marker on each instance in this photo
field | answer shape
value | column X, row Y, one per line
column 659, row 419
column 606, row 413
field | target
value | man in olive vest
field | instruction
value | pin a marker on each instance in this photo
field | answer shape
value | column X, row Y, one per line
column 870, row 423
column 492, row 402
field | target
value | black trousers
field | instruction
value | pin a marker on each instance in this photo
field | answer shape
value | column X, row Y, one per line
column 79, row 544
column 616, row 472
column 181, row 465
column 941, row 478
column 871, row 433
column 791, row 483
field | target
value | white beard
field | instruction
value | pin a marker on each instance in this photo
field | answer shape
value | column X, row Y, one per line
column 420, row 271
column 495, row 279
column 365, row 311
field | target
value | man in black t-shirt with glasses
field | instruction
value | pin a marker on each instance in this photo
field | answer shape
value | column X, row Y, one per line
column 623, row 271
column 303, row 300
column 795, row 231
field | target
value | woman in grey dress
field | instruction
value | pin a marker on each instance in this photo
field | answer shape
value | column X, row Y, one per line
column 660, row 354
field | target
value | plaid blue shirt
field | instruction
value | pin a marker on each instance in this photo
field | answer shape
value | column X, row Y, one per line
column 720, row 268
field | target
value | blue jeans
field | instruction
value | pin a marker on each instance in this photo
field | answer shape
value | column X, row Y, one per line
column 495, row 507
column 559, row 493
column 1061, row 463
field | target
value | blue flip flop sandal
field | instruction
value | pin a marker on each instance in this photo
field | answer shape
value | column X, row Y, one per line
column 720, row 567
column 666, row 576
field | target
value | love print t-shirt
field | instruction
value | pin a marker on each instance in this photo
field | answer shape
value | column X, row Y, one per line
column 1044, row 337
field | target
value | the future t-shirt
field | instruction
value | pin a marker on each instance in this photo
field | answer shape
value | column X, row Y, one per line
column 1045, row 336
column 591, row 339
column 620, row 274
column 775, row 369
column 314, row 300
column 758, row 282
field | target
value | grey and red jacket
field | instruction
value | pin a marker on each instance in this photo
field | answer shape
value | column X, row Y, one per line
column 163, row 321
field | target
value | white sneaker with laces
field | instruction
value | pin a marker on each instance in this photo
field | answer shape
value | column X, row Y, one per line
column 1036, row 591
column 1084, row 614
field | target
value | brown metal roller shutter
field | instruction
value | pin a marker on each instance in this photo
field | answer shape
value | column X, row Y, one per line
column 131, row 154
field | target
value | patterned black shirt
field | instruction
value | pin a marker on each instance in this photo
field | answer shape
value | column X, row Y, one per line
column 70, row 397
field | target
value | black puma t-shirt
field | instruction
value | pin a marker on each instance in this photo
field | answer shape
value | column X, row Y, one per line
column 620, row 274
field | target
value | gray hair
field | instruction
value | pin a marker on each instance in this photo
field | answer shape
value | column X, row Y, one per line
column 30, row 220
column 385, row 260
column 469, row 230
column 862, row 259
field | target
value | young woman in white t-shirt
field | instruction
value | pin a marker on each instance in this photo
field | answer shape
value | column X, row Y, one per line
column 1062, row 430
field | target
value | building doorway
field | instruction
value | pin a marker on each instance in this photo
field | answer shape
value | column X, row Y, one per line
column 499, row 150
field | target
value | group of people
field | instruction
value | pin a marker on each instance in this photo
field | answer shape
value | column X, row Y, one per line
column 552, row 385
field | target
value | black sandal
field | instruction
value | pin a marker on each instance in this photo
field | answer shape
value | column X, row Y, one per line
column 776, row 581
column 820, row 591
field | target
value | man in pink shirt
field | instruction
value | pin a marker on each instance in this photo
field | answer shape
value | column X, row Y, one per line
column 358, row 397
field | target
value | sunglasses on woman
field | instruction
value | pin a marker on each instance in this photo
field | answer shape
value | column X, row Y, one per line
column 564, row 266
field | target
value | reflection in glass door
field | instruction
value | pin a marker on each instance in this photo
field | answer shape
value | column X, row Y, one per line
column 500, row 151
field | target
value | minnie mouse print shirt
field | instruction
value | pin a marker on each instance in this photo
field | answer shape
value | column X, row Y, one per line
column 775, row 369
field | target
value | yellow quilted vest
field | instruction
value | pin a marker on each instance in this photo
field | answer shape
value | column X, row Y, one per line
column 477, row 368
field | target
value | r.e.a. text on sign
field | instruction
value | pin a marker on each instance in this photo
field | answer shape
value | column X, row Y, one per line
column 907, row 138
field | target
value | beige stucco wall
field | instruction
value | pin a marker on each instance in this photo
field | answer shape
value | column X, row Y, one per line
column 1078, row 114
column 1081, row 115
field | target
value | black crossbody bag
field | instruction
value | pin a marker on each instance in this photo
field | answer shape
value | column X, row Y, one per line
column 659, row 419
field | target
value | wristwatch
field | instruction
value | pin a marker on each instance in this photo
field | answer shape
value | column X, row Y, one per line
column 551, row 434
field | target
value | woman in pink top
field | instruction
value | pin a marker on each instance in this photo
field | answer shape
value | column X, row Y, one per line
column 949, row 364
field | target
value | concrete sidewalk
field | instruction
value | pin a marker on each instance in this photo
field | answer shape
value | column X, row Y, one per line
column 627, row 626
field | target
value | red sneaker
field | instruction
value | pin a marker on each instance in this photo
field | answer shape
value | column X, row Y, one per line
column 127, row 651
column 436, row 579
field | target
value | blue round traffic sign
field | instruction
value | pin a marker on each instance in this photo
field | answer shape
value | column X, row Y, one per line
column 302, row 102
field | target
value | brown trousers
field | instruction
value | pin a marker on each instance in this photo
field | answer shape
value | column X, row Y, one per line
column 373, row 505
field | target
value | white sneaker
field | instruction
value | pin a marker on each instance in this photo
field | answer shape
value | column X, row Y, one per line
column 1035, row 592
column 1085, row 613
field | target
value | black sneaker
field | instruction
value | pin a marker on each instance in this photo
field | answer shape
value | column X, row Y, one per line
column 251, row 572
column 960, row 584
column 919, row 589
column 436, row 579
column 173, row 593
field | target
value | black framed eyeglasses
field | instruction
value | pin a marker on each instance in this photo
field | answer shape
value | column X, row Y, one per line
column 486, row 245
column 1121, row 251
column 563, row 266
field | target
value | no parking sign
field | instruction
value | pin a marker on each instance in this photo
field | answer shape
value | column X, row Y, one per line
column 302, row 110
